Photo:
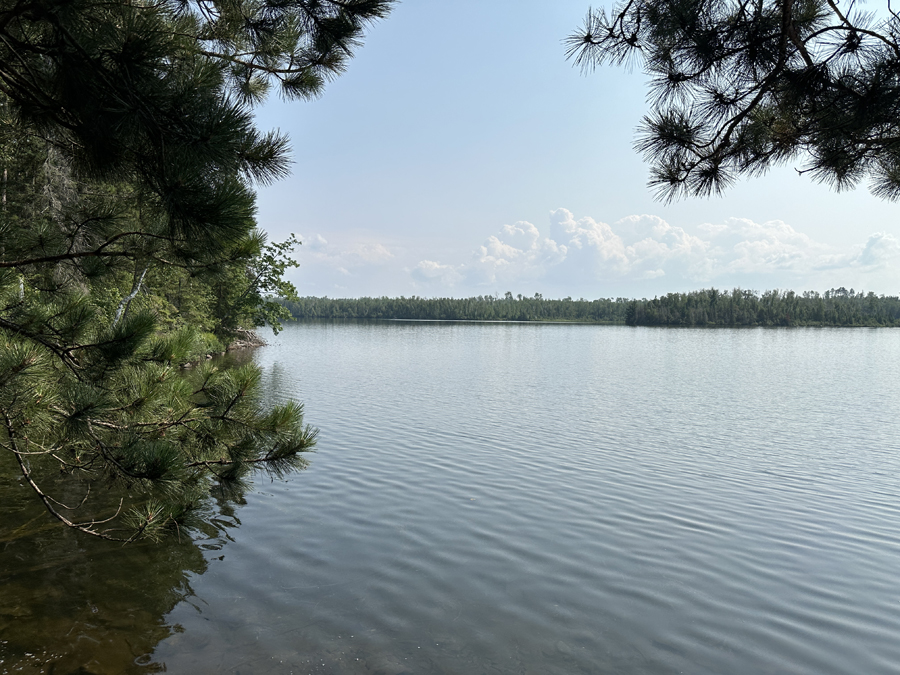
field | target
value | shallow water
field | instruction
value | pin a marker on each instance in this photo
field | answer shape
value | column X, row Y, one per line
column 508, row 498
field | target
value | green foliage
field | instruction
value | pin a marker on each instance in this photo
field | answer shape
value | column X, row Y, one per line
column 480, row 308
column 247, row 297
column 738, row 87
column 128, row 244
column 837, row 307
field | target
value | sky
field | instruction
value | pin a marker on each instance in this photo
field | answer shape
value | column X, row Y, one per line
column 461, row 155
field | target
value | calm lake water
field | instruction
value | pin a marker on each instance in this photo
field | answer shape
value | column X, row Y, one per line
column 509, row 498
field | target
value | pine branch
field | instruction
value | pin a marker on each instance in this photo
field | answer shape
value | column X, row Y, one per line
column 88, row 526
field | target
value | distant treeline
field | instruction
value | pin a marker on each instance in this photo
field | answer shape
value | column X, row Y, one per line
column 709, row 307
column 480, row 308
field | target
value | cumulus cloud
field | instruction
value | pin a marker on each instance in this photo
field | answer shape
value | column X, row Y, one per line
column 429, row 271
column 517, row 251
column 644, row 252
column 637, row 256
column 881, row 250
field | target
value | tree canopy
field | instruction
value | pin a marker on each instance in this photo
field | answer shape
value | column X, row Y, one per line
column 709, row 307
column 738, row 86
column 128, row 244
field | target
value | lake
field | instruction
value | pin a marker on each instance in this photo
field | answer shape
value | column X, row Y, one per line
column 515, row 498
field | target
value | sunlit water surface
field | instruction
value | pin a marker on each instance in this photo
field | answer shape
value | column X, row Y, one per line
column 509, row 498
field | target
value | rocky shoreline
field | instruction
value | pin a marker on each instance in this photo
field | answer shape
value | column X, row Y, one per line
column 246, row 339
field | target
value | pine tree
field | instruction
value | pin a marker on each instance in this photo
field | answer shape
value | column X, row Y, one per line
column 129, row 157
column 739, row 86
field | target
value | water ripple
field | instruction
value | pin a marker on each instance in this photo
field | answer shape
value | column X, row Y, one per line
column 569, row 499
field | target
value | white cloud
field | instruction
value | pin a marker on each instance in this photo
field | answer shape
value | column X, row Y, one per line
column 371, row 252
column 316, row 243
column 429, row 271
column 342, row 265
column 353, row 255
column 637, row 256
column 516, row 252
column 644, row 253
column 881, row 250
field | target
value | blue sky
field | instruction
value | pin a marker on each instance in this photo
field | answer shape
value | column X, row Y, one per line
column 461, row 154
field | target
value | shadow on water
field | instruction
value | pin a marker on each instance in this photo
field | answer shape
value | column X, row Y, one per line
column 72, row 604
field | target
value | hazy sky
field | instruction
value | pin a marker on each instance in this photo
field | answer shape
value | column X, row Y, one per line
column 461, row 154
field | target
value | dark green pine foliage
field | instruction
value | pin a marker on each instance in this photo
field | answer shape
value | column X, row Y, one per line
column 739, row 86
column 128, row 164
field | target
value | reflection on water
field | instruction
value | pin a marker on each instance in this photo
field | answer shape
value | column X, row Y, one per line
column 529, row 500
column 71, row 603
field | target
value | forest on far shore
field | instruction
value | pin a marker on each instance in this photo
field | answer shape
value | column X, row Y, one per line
column 708, row 307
